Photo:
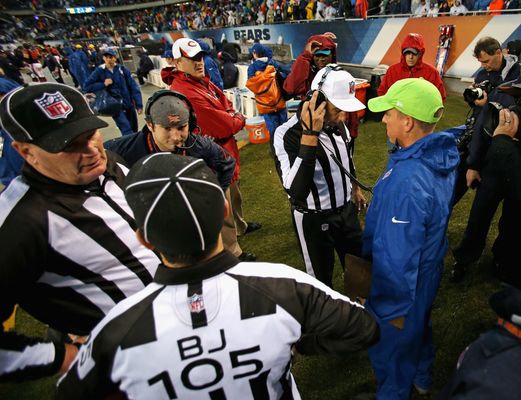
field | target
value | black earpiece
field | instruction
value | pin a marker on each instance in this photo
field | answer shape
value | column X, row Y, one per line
column 192, row 119
column 320, row 99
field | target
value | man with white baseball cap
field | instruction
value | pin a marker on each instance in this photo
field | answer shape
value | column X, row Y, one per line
column 217, row 119
column 313, row 151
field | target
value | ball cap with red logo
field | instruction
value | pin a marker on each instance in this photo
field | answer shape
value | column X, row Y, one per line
column 186, row 47
column 169, row 111
column 339, row 86
column 48, row 115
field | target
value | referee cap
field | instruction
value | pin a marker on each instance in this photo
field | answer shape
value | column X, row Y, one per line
column 48, row 115
column 414, row 97
column 177, row 202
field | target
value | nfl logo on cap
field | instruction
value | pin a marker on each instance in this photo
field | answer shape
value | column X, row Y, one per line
column 352, row 87
column 54, row 105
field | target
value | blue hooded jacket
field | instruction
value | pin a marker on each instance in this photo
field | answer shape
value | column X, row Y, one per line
column 405, row 227
column 266, row 59
column 122, row 84
column 79, row 66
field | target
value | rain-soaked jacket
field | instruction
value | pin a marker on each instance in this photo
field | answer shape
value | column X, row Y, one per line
column 406, row 224
column 421, row 70
column 303, row 70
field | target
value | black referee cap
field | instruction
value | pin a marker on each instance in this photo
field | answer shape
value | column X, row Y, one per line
column 49, row 115
column 177, row 203
column 507, row 304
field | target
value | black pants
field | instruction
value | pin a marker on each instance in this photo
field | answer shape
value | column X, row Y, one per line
column 460, row 186
column 321, row 234
column 483, row 208
column 498, row 183
column 140, row 76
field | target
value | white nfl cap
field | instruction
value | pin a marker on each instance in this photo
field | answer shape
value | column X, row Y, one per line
column 339, row 86
column 185, row 47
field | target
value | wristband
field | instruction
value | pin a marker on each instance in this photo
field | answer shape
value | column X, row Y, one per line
column 310, row 133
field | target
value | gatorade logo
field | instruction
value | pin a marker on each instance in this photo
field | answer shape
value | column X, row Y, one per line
column 259, row 133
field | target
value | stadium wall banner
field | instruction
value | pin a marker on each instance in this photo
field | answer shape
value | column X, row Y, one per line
column 375, row 41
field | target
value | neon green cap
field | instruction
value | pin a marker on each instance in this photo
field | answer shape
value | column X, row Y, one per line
column 415, row 97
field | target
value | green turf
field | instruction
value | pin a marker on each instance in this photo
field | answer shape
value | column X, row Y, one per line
column 460, row 312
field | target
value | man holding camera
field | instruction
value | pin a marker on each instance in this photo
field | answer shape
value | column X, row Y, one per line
column 313, row 156
column 496, row 69
column 500, row 181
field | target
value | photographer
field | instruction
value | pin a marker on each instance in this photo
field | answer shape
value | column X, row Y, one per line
column 500, row 180
column 496, row 69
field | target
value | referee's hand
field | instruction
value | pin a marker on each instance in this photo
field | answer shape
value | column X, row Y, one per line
column 312, row 117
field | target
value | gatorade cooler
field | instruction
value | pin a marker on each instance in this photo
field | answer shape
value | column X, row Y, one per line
column 361, row 94
column 257, row 130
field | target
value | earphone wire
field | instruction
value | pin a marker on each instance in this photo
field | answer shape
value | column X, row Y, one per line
column 344, row 169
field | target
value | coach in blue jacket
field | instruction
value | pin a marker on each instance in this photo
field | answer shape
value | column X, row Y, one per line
column 117, row 79
column 405, row 235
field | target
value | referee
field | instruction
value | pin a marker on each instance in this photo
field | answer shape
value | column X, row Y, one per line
column 210, row 326
column 313, row 152
column 69, row 252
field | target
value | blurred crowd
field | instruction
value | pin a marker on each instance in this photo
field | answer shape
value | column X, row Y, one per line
column 223, row 13
column 49, row 4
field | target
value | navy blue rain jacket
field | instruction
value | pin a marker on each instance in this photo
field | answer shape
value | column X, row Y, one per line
column 133, row 147
column 123, row 84
column 79, row 66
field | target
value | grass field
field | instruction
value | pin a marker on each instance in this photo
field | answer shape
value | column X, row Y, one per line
column 460, row 314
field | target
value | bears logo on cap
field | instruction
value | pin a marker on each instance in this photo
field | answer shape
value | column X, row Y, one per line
column 174, row 119
column 54, row 105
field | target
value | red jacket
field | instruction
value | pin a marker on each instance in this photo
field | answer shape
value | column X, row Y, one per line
column 421, row 70
column 298, row 82
column 216, row 117
column 303, row 70
column 166, row 75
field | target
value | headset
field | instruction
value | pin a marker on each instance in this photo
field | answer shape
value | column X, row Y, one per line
column 333, row 129
column 192, row 119
column 321, row 95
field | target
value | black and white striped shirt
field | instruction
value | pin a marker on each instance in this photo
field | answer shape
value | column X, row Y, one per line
column 216, row 330
column 309, row 174
column 69, row 255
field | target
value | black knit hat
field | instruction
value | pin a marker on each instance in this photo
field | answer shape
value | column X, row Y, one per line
column 177, row 203
column 49, row 115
